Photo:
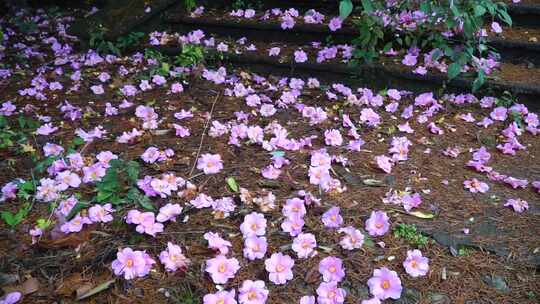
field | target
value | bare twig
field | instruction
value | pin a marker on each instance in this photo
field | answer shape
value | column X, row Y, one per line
column 204, row 134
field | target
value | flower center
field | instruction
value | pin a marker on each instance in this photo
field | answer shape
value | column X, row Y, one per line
column 252, row 295
column 378, row 225
column 280, row 268
column 414, row 264
column 254, row 226
column 332, row 269
column 129, row 263
column 385, row 284
column 222, row 268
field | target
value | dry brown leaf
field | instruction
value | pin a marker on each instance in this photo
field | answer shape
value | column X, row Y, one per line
column 70, row 240
column 29, row 286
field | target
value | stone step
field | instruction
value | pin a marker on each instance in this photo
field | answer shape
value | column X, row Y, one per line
column 516, row 45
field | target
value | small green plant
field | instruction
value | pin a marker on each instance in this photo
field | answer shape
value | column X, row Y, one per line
column 26, row 190
column 464, row 251
column 131, row 40
column 16, row 134
column 409, row 233
column 162, row 66
column 245, row 4
column 189, row 5
column 14, row 219
column 99, row 42
column 191, row 55
column 119, row 185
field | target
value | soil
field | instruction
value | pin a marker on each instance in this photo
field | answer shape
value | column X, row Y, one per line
column 503, row 244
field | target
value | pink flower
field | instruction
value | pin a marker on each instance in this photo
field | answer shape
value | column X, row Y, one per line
column 370, row 117
column 300, row 56
column 173, row 258
column 47, row 190
column 287, row 22
column 378, row 223
column 46, row 129
column 293, row 225
column 67, row 179
column 331, row 268
column 385, row 163
column 475, row 186
column 499, row 113
column 353, row 238
column 52, row 149
column 274, row 51
column 373, row 300
column 411, row 201
column 333, row 137
column 329, row 293
column 132, row 264
column 94, row 173
column 385, row 284
column 221, row 269
column 12, row 298
column 100, row 214
column 253, row 292
column 332, row 218
column 97, row 89
column 181, row 131
column 210, row 163
column 202, row 201
column 169, row 212
column 220, row 297
column 304, row 245
column 416, row 265
column 271, row 172
column 409, row 60
column 496, row 28
column 294, row 207
column 75, row 224
column 518, row 205
column 255, row 247
column 279, row 268
column 217, row 243
column 254, row 225
column 335, row 24
column 307, row 300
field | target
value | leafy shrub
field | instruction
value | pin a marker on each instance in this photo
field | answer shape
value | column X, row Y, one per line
column 450, row 27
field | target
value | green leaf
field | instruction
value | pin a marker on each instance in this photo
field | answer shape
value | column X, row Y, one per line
column 453, row 70
column 345, row 9
column 479, row 81
column 132, row 171
column 136, row 196
column 278, row 153
column 505, row 17
column 232, row 184
column 368, row 6
column 102, row 196
column 76, row 209
column 479, row 10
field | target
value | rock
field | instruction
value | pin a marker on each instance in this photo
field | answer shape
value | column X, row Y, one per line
column 496, row 282
column 408, row 296
column 438, row 298
column 118, row 18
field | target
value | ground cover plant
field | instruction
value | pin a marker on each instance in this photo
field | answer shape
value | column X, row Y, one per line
column 129, row 178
